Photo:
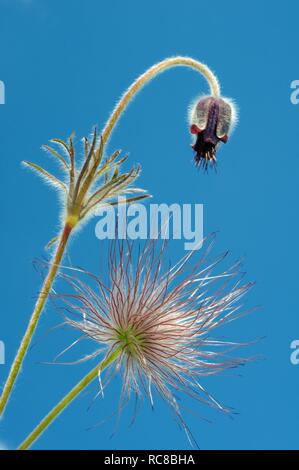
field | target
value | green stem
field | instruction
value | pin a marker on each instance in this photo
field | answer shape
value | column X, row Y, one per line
column 46, row 288
column 116, row 114
column 151, row 73
column 67, row 400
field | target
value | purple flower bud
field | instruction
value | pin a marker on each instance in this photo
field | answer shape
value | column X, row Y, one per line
column 211, row 120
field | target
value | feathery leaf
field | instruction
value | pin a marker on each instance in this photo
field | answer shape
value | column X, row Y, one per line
column 46, row 175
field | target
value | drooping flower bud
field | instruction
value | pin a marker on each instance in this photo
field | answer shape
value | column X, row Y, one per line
column 211, row 120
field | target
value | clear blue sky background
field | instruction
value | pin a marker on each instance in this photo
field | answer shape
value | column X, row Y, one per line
column 65, row 63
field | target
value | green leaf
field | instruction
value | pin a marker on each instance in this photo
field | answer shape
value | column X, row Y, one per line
column 62, row 144
column 46, row 175
column 107, row 165
column 134, row 190
column 111, row 189
column 88, row 157
column 115, row 173
column 130, row 199
column 56, row 154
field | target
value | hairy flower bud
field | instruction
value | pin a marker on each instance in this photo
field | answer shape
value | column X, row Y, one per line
column 211, row 120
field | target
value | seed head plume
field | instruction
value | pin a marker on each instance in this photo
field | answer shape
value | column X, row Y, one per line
column 160, row 322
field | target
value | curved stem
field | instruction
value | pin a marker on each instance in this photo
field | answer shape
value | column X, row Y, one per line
column 67, row 400
column 23, row 348
column 123, row 103
column 149, row 75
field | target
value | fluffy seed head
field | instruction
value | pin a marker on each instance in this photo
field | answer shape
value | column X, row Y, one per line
column 162, row 321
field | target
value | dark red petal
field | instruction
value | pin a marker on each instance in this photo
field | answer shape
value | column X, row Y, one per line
column 224, row 138
column 194, row 129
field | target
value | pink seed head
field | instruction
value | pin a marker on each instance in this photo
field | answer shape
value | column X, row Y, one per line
column 161, row 320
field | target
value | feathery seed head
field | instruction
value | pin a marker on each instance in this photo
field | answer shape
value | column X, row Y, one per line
column 161, row 321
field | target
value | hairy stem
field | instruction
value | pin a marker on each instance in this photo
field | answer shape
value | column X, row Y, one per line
column 120, row 108
column 46, row 288
column 67, row 400
column 149, row 75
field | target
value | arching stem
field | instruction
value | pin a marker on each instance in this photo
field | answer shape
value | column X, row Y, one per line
column 148, row 76
column 106, row 133
column 40, row 303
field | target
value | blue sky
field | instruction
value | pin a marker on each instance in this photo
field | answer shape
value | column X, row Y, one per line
column 64, row 67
